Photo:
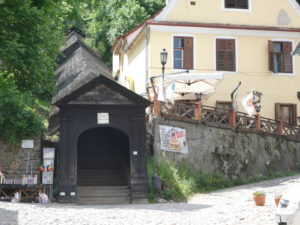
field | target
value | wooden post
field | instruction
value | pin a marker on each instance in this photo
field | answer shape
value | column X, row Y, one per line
column 257, row 122
column 156, row 107
column 232, row 116
column 280, row 127
column 198, row 110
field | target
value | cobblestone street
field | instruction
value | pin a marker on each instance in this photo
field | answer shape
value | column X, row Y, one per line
column 227, row 207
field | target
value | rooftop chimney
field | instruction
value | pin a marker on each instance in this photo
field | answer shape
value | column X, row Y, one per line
column 73, row 36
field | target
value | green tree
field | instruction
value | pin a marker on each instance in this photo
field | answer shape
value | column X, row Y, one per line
column 111, row 18
column 30, row 37
column 21, row 116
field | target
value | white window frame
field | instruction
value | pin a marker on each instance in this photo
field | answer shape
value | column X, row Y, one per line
column 249, row 10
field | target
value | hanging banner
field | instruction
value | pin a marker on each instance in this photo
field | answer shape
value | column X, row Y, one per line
column 173, row 139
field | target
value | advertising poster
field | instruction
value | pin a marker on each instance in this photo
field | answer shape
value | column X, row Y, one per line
column 48, row 155
column 173, row 139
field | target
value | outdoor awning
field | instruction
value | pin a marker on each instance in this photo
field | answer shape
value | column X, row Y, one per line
column 193, row 82
column 186, row 84
column 193, row 77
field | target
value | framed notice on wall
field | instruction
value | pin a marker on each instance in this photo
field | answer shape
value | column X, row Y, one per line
column 103, row 118
column 27, row 144
column 173, row 139
column 48, row 153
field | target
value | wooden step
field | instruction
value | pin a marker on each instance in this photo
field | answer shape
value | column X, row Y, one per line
column 103, row 195
column 100, row 193
column 125, row 187
column 103, row 201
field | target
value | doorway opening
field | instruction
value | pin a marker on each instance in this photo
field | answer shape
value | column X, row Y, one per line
column 103, row 158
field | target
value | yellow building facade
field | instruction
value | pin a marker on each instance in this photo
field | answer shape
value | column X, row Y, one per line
column 247, row 41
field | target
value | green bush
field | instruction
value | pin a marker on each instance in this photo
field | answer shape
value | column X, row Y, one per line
column 21, row 116
column 179, row 181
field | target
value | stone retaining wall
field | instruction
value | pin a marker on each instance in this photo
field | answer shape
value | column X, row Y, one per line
column 237, row 154
column 16, row 161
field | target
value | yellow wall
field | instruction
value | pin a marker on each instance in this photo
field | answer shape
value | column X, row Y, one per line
column 252, row 69
column 263, row 13
column 251, row 51
column 134, row 66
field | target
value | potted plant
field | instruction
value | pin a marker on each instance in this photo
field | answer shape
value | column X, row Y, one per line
column 277, row 198
column 259, row 198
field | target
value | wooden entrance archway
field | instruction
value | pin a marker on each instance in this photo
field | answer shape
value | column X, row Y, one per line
column 103, row 158
column 90, row 104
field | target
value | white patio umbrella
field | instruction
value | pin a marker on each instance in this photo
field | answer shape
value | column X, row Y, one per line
column 189, row 83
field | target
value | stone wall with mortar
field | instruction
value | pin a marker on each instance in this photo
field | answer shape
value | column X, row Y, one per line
column 15, row 161
column 237, row 154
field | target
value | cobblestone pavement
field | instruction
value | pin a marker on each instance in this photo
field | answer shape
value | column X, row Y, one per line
column 232, row 206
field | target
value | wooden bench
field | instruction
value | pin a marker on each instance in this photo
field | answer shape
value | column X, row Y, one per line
column 28, row 193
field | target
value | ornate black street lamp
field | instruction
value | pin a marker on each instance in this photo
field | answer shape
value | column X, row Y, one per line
column 163, row 60
column 256, row 100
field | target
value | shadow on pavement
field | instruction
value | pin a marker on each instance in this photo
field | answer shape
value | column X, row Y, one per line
column 167, row 207
column 8, row 217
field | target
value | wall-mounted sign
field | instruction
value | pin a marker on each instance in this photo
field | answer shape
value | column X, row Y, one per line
column 48, row 153
column 27, row 143
column 103, row 118
column 173, row 139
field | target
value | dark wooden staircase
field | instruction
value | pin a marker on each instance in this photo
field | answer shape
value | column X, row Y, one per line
column 102, row 187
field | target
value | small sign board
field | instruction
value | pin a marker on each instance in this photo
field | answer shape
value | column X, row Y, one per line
column 48, row 153
column 47, row 178
column 103, row 118
column 27, row 143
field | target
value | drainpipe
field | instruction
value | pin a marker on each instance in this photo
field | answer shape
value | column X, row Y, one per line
column 147, row 57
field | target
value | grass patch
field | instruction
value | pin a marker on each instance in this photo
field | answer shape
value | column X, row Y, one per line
column 179, row 182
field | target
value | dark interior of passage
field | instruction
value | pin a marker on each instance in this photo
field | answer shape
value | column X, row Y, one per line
column 103, row 158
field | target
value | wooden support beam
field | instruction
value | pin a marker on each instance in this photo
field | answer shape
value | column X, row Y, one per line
column 198, row 110
column 257, row 122
column 156, row 107
column 232, row 116
column 280, row 127
column 153, row 86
